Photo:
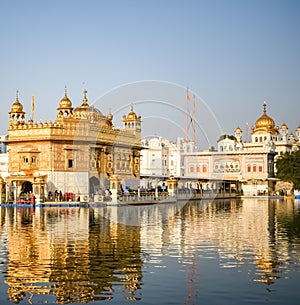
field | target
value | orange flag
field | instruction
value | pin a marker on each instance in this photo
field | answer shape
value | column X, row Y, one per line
column 187, row 95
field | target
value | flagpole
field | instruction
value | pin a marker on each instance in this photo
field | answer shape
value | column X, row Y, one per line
column 32, row 109
column 187, row 116
column 194, row 118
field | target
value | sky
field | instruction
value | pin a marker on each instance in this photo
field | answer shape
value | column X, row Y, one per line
column 230, row 55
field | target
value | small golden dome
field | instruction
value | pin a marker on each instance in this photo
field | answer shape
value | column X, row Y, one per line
column 265, row 122
column 238, row 129
column 132, row 115
column 84, row 106
column 65, row 101
column 284, row 126
column 17, row 106
column 298, row 128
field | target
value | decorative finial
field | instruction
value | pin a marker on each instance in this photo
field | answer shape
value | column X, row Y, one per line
column 17, row 95
column 265, row 107
column 85, row 100
column 65, row 90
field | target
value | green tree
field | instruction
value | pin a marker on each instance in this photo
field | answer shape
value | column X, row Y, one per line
column 288, row 168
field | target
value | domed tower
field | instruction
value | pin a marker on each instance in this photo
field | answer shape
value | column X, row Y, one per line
column 298, row 133
column 132, row 121
column 284, row 130
column 238, row 134
column 264, row 129
column 84, row 104
column 65, row 108
column 16, row 114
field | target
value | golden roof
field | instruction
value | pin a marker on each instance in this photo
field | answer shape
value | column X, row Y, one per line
column 132, row 115
column 65, row 101
column 238, row 129
column 284, row 126
column 17, row 106
column 84, row 104
column 265, row 122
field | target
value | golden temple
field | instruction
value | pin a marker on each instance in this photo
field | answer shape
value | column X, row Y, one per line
column 76, row 154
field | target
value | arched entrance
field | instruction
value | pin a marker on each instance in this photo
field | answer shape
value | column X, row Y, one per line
column 94, row 185
column 26, row 187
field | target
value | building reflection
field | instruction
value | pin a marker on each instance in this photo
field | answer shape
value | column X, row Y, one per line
column 70, row 254
column 89, row 254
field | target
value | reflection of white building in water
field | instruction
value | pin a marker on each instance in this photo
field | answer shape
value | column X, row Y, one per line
column 204, row 229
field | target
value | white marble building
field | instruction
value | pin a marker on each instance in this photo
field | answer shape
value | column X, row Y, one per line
column 3, row 157
column 251, row 163
column 162, row 158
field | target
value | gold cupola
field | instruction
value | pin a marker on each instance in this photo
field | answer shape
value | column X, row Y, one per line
column 17, row 107
column 131, row 115
column 132, row 121
column 16, row 114
column 65, row 108
column 65, row 102
column 265, row 121
column 84, row 104
column 265, row 124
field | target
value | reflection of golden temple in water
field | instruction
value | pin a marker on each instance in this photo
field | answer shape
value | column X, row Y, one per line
column 70, row 255
column 81, row 255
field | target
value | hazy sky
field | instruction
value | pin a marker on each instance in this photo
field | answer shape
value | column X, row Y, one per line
column 233, row 55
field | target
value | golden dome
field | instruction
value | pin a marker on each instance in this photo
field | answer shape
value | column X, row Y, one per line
column 298, row 128
column 17, row 106
column 132, row 115
column 238, row 129
column 65, row 101
column 84, row 104
column 284, row 126
column 265, row 122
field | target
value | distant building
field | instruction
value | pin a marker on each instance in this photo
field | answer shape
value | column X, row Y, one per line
column 77, row 154
column 162, row 158
column 250, row 163
column 4, row 165
column 3, row 147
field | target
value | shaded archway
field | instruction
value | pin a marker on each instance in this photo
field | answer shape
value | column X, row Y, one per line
column 26, row 187
column 94, row 185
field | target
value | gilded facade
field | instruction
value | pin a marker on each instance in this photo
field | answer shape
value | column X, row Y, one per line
column 77, row 153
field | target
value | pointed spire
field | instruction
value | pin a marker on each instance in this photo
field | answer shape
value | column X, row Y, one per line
column 85, row 100
column 17, row 95
column 265, row 107
column 65, row 90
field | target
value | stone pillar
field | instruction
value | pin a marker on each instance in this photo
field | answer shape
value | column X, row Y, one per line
column 156, row 191
column 172, row 186
column 15, row 190
column 139, row 191
column 38, row 189
column 114, row 186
